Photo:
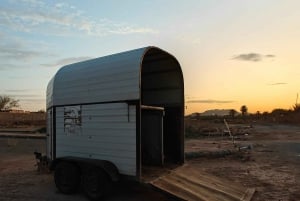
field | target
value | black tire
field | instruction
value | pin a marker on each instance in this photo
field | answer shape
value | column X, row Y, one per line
column 96, row 183
column 67, row 177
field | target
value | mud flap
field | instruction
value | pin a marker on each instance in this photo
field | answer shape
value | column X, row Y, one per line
column 189, row 183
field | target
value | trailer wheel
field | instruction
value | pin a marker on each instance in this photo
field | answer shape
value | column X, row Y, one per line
column 96, row 183
column 67, row 177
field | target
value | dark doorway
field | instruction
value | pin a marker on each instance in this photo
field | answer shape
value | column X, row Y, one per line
column 152, row 136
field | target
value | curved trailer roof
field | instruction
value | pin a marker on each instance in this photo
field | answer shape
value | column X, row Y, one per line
column 117, row 77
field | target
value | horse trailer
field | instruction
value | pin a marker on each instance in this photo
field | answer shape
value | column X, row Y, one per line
column 113, row 117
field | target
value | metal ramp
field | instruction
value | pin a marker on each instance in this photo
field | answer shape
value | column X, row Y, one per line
column 188, row 183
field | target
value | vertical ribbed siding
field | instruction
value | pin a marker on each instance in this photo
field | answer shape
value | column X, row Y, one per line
column 108, row 132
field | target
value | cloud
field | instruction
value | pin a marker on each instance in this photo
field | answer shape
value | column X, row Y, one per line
column 278, row 83
column 19, row 54
column 16, row 50
column 32, row 100
column 254, row 57
column 16, row 90
column 62, row 19
column 5, row 66
column 18, row 76
column 60, row 5
column 22, row 96
column 48, row 18
column 66, row 61
column 32, row 3
column 248, row 57
column 21, row 93
column 209, row 101
column 270, row 55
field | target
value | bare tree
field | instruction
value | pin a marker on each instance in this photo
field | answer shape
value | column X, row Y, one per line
column 244, row 110
column 7, row 102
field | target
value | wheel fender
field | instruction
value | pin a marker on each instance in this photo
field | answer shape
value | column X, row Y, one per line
column 110, row 168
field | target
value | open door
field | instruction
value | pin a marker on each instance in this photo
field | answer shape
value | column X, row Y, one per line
column 152, row 136
column 162, row 86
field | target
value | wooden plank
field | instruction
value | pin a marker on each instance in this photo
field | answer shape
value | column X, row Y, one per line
column 181, row 193
column 198, row 191
column 248, row 195
column 209, row 186
column 211, row 182
column 189, row 183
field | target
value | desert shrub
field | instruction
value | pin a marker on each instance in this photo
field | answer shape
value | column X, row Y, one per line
column 190, row 132
column 42, row 130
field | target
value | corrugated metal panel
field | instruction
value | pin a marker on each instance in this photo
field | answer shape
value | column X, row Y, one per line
column 162, row 80
column 49, row 93
column 111, row 78
column 107, row 132
column 172, row 94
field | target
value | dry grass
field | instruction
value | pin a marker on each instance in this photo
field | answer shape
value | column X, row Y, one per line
column 14, row 120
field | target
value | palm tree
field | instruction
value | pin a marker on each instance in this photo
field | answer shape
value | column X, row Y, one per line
column 296, row 107
column 244, row 110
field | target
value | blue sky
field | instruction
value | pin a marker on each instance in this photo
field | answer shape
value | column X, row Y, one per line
column 232, row 52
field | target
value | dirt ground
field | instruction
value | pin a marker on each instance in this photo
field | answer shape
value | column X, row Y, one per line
column 20, row 180
column 272, row 166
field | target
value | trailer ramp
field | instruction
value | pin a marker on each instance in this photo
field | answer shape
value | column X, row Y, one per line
column 188, row 183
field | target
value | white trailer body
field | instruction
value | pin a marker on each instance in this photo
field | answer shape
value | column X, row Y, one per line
column 102, row 109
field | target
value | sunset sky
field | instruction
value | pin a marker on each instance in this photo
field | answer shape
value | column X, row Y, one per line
column 232, row 53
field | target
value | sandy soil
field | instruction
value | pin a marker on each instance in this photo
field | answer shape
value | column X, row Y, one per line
column 272, row 166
